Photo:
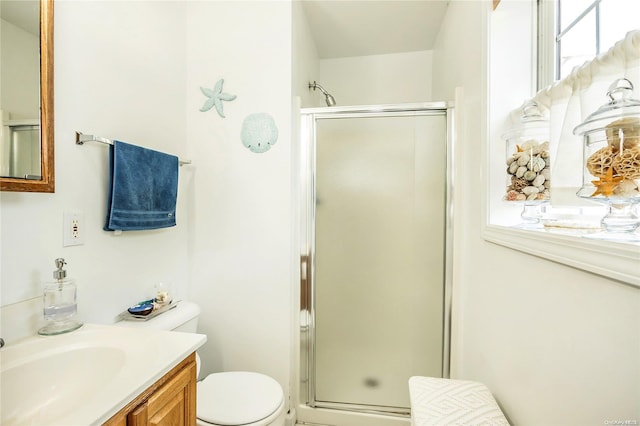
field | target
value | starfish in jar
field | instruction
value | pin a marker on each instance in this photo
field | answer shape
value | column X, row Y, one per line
column 605, row 184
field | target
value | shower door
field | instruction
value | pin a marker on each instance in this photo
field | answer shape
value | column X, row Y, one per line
column 377, row 255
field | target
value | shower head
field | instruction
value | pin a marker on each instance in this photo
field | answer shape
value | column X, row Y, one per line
column 330, row 100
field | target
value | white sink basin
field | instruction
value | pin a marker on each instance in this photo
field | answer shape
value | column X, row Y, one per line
column 86, row 376
column 50, row 384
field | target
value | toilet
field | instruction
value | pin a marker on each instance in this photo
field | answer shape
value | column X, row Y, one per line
column 224, row 399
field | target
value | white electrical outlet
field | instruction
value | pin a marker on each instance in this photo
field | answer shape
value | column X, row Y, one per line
column 73, row 229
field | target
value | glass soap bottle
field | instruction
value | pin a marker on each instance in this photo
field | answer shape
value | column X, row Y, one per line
column 60, row 307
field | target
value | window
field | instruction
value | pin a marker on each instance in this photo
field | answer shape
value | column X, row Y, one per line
column 513, row 29
column 575, row 31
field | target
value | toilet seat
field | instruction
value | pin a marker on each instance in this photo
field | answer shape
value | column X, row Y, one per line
column 238, row 398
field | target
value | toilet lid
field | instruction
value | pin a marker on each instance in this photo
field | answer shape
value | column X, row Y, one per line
column 237, row 398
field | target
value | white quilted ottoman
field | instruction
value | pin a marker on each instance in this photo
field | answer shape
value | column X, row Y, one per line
column 449, row 402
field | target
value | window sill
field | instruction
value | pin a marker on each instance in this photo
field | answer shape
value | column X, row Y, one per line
column 614, row 260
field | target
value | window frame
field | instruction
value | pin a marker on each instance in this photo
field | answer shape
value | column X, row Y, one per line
column 550, row 35
column 547, row 27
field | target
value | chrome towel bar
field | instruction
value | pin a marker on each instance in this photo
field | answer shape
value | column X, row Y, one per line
column 81, row 138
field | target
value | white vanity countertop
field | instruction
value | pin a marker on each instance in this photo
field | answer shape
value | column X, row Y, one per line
column 86, row 376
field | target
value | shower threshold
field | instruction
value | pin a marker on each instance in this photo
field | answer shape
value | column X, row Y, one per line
column 341, row 414
column 364, row 408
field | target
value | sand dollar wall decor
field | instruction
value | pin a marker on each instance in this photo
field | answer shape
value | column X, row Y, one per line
column 259, row 132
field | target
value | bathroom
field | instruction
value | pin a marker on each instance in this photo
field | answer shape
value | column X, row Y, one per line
column 544, row 337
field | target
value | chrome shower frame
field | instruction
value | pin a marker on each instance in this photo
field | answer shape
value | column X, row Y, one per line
column 308, row 119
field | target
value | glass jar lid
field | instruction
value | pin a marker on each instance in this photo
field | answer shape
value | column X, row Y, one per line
column 531, row 121
column 620, row 107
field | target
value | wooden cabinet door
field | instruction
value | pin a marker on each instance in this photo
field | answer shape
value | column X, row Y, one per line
column 173, row 404
column 171, row 401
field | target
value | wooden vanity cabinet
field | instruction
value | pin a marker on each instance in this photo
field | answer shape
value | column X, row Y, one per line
column 169, row 401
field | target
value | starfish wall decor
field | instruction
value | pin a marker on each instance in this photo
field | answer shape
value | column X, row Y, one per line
column 216, row 97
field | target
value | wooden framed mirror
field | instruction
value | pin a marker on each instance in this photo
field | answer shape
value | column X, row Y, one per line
column 44, row 182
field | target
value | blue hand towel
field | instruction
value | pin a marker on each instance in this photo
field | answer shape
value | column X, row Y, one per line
column 143, row 188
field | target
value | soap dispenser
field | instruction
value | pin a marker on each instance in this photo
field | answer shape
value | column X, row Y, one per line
column 60, row 305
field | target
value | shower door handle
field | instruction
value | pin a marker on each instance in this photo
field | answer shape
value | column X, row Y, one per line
column 304, row 282
column 303, row 268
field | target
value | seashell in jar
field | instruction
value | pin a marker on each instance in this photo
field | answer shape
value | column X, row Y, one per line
column 528, row 190
column 537, row 164
column 532, row 197
column 530, row 175
column 521, row 197
column 623, row 133
column 600, row 161
column 523, row 159
column 539, row 180
column 521, row 171
column 511, row 195
column 626, row 188
column 627, row 163
column 510, row 160
column 546, row 172
column 537, row 150
column 518, row 183
column 547, row 184
column 513, row 167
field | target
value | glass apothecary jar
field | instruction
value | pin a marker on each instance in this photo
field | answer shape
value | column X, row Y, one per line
column 611, row 158
column 528, row 173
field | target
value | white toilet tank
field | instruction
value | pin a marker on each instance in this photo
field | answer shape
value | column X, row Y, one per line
column 184, row 317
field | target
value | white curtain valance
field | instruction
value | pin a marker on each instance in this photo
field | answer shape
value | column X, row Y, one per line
column 568, row 102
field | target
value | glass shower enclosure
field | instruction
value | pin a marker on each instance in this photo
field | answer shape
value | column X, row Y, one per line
column 375, row 259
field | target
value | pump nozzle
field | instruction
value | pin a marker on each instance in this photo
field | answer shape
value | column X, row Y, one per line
column 60, row 273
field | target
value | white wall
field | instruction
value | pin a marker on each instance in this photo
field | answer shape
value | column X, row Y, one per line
column 121, row 75
column 555, row 345
column 240, row 247
column 306, row 63
column 377, row 79
column 362, row 80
